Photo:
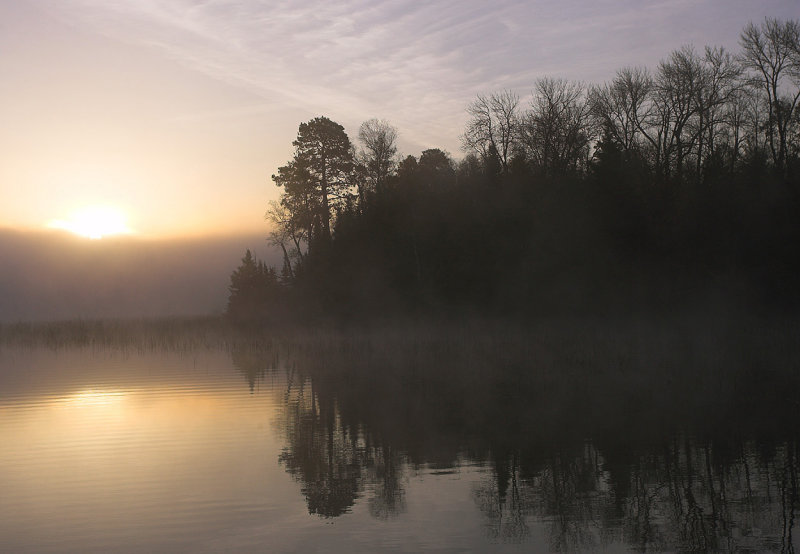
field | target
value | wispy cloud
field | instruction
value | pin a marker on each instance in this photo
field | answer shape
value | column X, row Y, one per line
column 415, row 63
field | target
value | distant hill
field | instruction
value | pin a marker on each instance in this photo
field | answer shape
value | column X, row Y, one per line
column 53, row 275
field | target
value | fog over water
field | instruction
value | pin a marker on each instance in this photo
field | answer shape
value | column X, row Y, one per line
column 53, row 275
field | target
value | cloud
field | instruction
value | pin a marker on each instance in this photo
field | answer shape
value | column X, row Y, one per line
column 417, row 64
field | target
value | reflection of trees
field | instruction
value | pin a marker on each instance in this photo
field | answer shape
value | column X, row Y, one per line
column 335, row 462
column 789, row 500
column 359, row 418
column 712, row 498
column 501, row 502
column 690, row 495
column 388, row 495
column 320, row 453
column 384, row 476
column 567, row 490
column 252, row 364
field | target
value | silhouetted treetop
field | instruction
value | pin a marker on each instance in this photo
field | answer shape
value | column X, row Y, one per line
column 317, row 180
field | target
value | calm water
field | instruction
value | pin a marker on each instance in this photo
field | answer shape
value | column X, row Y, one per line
column 409, row 446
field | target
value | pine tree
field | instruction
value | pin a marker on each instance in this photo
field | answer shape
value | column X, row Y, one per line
column 255, row 292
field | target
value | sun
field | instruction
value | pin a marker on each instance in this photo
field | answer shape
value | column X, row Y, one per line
column 94, row 222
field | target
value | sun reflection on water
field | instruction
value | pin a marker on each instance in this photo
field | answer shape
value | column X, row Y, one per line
column 95, row 397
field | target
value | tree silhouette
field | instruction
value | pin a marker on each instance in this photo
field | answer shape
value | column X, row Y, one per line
column 379, row 139
column 255, row 293
column 492, row 128
column 772, row 53
column 316, row 181
column 557, row 130
column 636, row 194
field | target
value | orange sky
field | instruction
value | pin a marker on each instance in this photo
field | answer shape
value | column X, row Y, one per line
column 96, row 121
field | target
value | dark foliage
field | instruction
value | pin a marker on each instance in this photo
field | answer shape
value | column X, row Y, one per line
column 603, row 200
column 607, row 241
column 256, row 295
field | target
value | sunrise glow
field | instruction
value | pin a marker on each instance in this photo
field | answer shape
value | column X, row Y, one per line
column 94, row 222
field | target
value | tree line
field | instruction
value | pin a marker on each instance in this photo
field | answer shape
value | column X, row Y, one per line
column 657, row 188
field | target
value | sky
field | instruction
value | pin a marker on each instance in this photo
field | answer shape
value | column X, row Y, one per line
column 175, row 113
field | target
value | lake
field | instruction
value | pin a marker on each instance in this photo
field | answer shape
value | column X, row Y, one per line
column 555, row 436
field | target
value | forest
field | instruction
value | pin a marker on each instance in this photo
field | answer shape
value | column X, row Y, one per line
column 663, row 189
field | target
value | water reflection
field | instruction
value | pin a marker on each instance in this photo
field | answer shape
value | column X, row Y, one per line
column 251, row 364
column 335, row 461
column 418, row 441
column 685, row 495
column 110, row 451
column 587, row 471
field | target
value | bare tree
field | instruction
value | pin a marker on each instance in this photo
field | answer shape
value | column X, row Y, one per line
column 491, row 130
column 622, row 106
column 772, row 54
column 740, row 135
column 721, row 80
column 286, row 234
column 680, row 81
column 378, row 156
column 557, row 130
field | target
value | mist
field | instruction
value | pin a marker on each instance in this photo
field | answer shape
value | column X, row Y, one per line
column 55, row 276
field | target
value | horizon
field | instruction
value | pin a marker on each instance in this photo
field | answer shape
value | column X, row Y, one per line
column 52, row 274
